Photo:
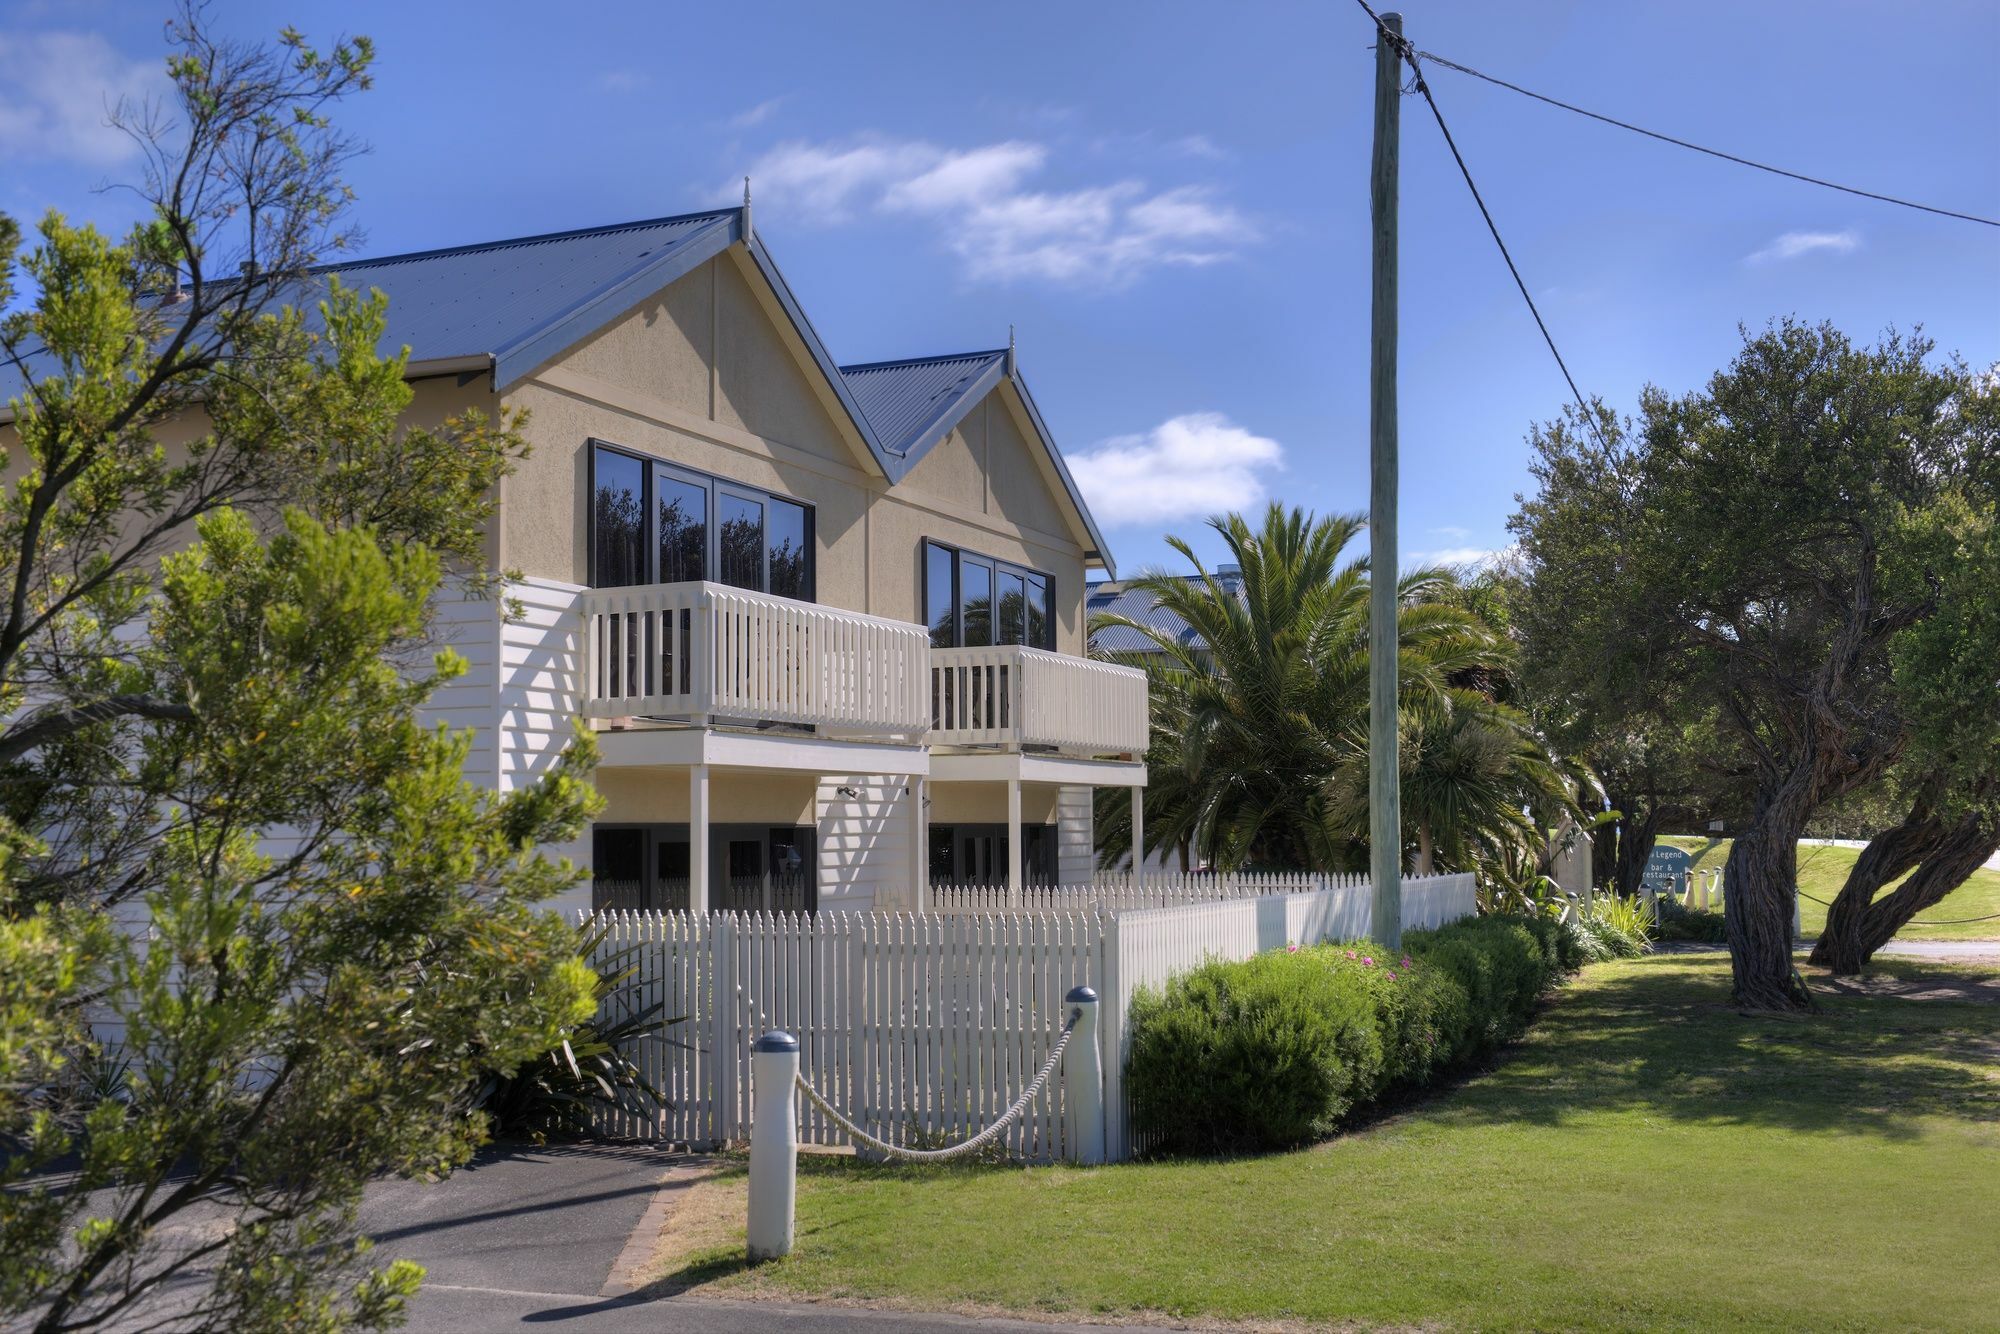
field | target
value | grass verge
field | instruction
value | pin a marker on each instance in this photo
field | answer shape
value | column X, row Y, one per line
column 1647, row 1158
column 1823, row 870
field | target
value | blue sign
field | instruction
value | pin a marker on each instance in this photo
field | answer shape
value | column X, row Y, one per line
column 1666, row 865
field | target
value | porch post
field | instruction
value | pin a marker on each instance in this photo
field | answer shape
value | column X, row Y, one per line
column 698, row 838
column 920, row 868
column 1138, row 838
column 1014, row 844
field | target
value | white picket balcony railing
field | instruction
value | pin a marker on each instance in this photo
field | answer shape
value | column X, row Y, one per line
column 1010, row 695
column 706, row 651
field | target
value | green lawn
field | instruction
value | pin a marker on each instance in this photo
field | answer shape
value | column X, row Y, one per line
column 1823, row 870
column 1646, row 1159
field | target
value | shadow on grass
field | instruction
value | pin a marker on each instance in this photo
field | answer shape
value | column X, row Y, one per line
column 1660, row 1036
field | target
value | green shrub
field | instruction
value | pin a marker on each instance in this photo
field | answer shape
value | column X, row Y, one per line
column 1622, row 924
column 1281, row 1049
column 1678, row 922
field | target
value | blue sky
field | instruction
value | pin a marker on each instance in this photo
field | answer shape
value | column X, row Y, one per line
column 1169, row 201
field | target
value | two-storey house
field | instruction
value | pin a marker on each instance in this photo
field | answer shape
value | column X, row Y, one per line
column 828, row 621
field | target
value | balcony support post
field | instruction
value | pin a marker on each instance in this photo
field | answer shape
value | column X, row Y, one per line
column 1138, row 838
column 698, row 838
column 920, row 866
column 1014, row 844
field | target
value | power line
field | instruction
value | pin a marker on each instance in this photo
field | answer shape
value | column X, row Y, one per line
column 1436, row 59
column 1409, row 54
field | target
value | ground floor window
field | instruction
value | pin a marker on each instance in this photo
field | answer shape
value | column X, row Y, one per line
column 751, row 867
column 976, row 854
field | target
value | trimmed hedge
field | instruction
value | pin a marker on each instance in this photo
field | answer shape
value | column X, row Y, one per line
column 1280, row 1049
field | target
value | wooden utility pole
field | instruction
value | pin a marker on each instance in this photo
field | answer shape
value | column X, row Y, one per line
column 1385, row 798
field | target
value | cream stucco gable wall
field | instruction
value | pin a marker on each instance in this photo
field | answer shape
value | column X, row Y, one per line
column 709, row 375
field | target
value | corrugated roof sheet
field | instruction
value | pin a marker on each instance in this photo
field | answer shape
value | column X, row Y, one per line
column 1127, row 599
column 478, row 299
column 481, row 300
column 906, row 400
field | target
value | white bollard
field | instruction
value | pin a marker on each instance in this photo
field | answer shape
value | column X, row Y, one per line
column 774, row 1144
column 1083, row 1081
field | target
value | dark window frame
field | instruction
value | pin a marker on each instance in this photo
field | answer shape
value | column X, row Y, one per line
column 715, row 487
column 1028, row 574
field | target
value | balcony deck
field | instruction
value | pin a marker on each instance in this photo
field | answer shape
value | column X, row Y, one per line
column 1012, row 696
column 700, row 652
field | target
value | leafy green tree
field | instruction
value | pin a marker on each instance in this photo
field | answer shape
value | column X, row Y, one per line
column 1260, row 718
column 228, row 843
column 1950, row 774
column 1751, row 553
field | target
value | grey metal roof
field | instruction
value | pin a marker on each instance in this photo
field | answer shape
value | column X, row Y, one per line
column 519, row 302
column 522, row 302
column 1125, row 598
column 909, row 401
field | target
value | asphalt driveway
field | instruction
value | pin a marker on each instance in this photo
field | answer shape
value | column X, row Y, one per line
column 528, row 1238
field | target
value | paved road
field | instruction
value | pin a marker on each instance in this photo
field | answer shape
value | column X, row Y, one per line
column 1946, row 951
column 528, row 1238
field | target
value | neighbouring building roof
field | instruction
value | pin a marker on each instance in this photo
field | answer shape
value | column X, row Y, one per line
column 914, row 404
column 516, row 304
column 1124, row 597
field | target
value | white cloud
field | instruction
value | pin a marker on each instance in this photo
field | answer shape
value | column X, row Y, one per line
column 1451, row 533
column 758, row 114
column 61, row 88
column 980, row 201
column 622, row 80
column 969, row 179
column 1793, row 244
column 1475, row 556
column 1188, row 467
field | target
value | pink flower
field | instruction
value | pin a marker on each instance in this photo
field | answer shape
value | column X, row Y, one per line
column 1292, row 948
column 1406, row 962
column 1392, row 975
column 1350, row 954
column 1368, row 959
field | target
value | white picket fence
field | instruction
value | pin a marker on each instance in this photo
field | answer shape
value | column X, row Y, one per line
column 1120, row 892
column 924, row 1027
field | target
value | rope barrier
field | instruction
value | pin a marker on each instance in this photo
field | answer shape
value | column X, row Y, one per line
column 1956, row 921
column 1007, row 1117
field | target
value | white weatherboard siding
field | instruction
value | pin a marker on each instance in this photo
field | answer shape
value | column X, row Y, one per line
column 1076, row 840
column 519, row 691
column 536, row 699
column 469, row 626
column 539, row 675
column 864, row 842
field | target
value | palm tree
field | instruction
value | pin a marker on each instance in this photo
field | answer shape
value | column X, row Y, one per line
column 1261, row 710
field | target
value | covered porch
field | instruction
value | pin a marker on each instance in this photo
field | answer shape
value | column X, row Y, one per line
column 1010, row 793
column 707, row 819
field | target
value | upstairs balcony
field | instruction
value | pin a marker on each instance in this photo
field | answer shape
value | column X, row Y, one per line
column 1014, row 697
column 705, row 653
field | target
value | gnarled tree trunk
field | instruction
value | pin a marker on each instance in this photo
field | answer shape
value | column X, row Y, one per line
column 1762, row 875
column 1957, row 855
column 1889, row 856
column 1636, row 835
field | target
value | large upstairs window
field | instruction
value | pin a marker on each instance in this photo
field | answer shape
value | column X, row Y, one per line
column 972, row 600
column 654, row 522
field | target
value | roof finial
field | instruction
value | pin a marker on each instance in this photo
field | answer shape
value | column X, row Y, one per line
column 1010, row 349
column 746, row 209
